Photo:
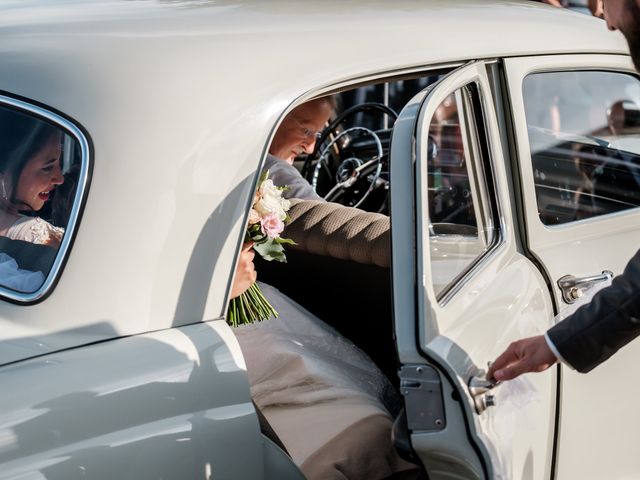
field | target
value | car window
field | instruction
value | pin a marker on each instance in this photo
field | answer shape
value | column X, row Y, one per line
column 460, row 224
column 41, row 170
column 584, row 132
column 354, row 148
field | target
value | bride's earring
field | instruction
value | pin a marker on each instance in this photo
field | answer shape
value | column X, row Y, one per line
column 3, row 189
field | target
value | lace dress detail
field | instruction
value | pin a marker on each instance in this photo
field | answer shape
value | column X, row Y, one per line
column 35, row 230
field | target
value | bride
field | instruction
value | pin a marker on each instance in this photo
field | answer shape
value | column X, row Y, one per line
column 325, row 398
column 29, row 172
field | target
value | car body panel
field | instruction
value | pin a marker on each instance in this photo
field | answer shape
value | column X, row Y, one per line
column 178, row 101
column 123, row 406
column 600, row 243
column 115, row 52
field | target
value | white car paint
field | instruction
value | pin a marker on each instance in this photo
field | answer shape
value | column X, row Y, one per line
column 167, row 67
column 587, row 424
column 179, row 101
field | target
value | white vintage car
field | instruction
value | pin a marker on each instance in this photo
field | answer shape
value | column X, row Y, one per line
column 491, row 148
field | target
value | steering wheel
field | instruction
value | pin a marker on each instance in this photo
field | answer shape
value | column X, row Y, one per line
column 347, row 171
column 352, row 168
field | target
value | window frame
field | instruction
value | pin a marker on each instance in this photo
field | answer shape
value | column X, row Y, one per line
column 86, row 167
column 479, row 164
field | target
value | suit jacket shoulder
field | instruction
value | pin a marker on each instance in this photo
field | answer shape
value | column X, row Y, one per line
column 282, row 173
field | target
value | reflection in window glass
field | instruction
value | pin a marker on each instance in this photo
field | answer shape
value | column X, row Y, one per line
column 584, row 131
column 39, row 171
column 459, row 233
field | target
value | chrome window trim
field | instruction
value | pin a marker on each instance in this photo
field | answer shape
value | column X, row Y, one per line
column 70, row 229
column 483, row 186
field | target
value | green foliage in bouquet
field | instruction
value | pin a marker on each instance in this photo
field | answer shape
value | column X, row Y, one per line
column 267, row 219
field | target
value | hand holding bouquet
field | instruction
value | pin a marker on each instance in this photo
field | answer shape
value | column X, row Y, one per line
column 267, row 218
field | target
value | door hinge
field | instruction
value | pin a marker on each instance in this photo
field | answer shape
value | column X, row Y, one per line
column 422, row 391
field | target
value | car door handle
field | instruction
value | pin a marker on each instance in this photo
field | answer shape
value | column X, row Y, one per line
column 572, row 287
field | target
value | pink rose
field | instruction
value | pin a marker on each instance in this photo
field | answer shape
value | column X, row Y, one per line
column 271, row 225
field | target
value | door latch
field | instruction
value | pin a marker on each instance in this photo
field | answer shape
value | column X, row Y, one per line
column 422, row 391
column 479, row 388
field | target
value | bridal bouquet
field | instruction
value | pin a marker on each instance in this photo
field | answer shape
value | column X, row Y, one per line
column 267, row 219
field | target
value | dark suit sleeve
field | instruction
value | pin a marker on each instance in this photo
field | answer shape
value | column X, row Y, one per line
column 600, row 328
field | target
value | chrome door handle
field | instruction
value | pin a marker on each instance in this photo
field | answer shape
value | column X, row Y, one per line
column 571, row 287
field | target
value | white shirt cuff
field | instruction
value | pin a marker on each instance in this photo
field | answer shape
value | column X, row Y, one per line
column 555, row 351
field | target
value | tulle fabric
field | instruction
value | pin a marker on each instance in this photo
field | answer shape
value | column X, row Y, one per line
column 297, row 359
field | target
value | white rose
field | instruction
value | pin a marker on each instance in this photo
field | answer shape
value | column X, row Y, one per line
column 270, row 205
column 268, row 189
column 271, row 201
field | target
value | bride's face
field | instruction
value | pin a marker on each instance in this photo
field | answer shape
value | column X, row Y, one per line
column 40, row 175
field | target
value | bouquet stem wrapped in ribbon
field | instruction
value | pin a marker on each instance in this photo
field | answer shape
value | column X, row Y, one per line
column 267, row 219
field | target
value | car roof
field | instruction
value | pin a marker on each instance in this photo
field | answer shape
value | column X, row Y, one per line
column 179, row 100
column 317, row 42
column 473, row 27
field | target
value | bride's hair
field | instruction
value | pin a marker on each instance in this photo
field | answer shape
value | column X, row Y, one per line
column 21, row 138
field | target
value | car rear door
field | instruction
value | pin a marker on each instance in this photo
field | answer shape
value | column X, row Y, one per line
column 171, row 404
column 578, row 144
column 463, row 288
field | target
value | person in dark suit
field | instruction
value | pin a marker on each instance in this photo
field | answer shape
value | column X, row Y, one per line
column 612, row 319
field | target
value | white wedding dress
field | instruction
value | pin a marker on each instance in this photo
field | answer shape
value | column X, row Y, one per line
column 314, row 386
column 15, row 278
column 34, row 230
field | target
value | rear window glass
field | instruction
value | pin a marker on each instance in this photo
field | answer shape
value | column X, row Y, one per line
column 42, row 176
column 584, row 132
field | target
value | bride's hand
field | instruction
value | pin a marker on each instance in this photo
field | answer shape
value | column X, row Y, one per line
column 245, row 271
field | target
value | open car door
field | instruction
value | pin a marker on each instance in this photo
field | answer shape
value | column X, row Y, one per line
column 463, row 290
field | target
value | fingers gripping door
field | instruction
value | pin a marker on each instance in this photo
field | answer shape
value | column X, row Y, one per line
column 464, row 292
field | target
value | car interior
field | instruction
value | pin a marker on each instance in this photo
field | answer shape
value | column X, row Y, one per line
column 28, row 254
column 343, row 250
column 347, row 249
column 350, row 167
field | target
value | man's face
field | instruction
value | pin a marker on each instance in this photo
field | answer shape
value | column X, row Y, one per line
column 624, row 15
column 298, row 131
